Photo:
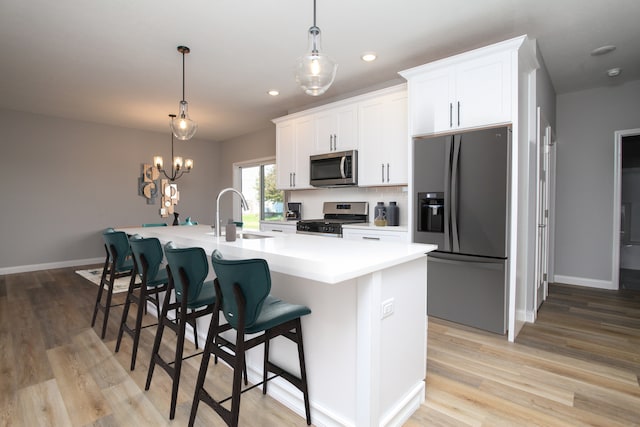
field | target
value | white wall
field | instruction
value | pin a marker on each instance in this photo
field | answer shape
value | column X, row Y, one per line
column 67, row 180
column 586, row 122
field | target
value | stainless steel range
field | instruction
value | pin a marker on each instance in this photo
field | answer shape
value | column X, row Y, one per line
column 335, row 215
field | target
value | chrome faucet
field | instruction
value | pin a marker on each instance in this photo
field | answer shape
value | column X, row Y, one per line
column 243, row 201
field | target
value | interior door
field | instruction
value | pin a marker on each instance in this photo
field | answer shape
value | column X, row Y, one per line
column 544, row 141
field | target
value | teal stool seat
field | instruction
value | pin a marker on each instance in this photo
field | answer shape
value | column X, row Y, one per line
column 187, row 269
column 155, row 224
column 242, row 295
column 147, row 256
column 207, row 296
column 275, row 312
column 118, row 263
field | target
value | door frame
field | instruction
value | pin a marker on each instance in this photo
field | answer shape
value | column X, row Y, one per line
column 545, row 145
column 617, row 199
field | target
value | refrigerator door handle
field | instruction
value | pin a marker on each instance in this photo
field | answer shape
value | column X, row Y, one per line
column 488, row 263
column 447, row 192
column 454, row 193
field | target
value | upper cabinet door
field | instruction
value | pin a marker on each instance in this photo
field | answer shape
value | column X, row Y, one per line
column 285, row 154
column 336, row 129
column 466, row 92
column 430, row 97
column 383, row 152
column 483, row 91
column 293, row 139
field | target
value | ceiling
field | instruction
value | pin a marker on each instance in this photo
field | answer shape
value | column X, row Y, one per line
column 115, row 62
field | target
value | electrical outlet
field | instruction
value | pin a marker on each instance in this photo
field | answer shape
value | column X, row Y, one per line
column 387, row 308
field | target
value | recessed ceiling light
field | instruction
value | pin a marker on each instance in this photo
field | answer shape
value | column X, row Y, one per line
column 368, row 56
column 602, row 50
column 273, row 92
column 613, row 72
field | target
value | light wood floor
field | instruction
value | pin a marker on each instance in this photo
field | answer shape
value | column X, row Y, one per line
column 578, row 365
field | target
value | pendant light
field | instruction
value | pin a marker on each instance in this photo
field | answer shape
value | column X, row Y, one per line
column 315, row 71
column 178, row 166
column 182, row 126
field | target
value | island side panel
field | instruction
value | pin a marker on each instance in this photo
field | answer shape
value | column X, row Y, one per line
column 403, row 341
column 391, row 347
column 329, row 334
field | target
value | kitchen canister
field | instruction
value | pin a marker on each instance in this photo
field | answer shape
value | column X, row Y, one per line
column 393, row 214
column 380, row 215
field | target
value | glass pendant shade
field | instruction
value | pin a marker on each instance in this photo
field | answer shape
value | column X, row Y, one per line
column 315, row 71
column 182, row 126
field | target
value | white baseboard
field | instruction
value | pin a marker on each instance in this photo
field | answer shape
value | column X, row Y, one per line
column 50, row 265
column 581, row 281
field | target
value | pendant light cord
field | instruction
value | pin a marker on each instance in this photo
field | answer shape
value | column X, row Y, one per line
column 314, row 13
column 183, row 74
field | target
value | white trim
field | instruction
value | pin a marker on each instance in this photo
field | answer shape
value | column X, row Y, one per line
column 617, row 189
column 255, row 162
column 50, row 265
column 583, row 281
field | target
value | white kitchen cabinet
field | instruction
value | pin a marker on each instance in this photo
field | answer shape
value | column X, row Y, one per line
column 279, row 227
column 465, row 91
column 383, row 146
column 336, row 129
column 384, row 234
column 293, row 138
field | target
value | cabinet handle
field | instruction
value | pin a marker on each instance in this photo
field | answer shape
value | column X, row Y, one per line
column 458, row 113
column 370, row 238
column 382, row 172
column 335, row 142
column 277, row 231
column 387, row 172
column 294, row 179
column 450, row 115
column 330, row 142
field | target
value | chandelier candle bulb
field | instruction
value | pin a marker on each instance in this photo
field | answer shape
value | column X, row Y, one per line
column 157, row 160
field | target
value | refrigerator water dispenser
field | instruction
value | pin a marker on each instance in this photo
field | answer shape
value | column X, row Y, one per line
column 431, row 212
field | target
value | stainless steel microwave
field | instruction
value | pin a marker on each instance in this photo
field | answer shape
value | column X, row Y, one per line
column 334, row 169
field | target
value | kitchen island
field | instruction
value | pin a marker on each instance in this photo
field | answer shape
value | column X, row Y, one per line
column 365, row 340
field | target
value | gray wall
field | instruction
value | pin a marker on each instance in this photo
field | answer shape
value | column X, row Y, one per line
column 67, row 180
column 251, row 146
column 586, row 122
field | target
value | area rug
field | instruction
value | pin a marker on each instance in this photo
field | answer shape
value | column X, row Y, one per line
column 93, row 275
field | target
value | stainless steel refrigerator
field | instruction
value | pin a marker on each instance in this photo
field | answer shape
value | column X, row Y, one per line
column 462, row 192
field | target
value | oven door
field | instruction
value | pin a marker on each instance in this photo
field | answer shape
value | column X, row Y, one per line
column 334, row 169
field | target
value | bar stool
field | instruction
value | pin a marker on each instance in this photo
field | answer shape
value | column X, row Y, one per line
column 242, row 293
column 147, row 256
column 118, row 263
column 187, row 269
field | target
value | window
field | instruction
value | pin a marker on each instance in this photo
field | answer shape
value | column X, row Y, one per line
column 258, row 183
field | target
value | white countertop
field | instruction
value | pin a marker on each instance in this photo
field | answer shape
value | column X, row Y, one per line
column 323, row 259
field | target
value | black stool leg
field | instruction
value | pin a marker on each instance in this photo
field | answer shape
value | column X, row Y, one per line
column 156, row 344
column 105, row 270
column 125, row 311
column 182, row 323
column 237, row 378
column 112, row 278
column 204, row 365
column 303, row 371
column 142, row 305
